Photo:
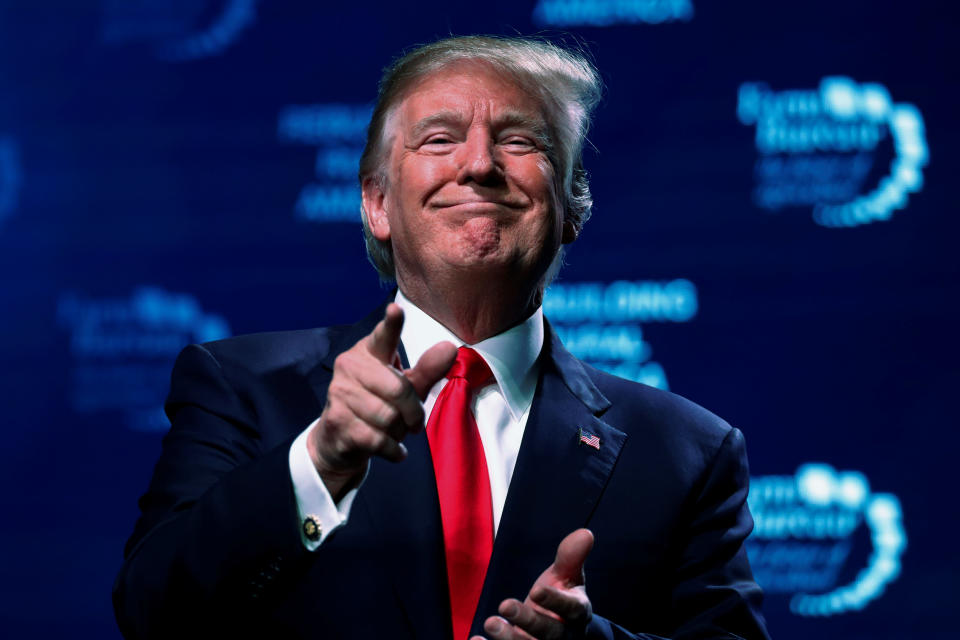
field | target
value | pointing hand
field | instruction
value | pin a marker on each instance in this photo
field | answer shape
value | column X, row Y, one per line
column 371, row 404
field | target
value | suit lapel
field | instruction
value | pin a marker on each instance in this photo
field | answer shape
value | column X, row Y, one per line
column 557, row 480
column 400, row 504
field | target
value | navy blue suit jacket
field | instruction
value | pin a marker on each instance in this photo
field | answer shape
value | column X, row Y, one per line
column 217, row 550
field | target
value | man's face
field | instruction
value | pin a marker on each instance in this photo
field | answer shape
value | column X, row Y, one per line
column 470, row 192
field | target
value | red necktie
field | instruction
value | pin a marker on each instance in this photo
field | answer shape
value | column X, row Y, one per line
column 463, row 485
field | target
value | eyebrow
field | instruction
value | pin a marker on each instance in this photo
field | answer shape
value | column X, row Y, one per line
column 504, row 121
column 439, row 118
column 523, row 121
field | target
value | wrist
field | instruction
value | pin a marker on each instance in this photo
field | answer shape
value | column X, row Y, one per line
column 338, row 480
column 339, row 483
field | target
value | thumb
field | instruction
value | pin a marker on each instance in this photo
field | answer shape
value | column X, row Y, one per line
column 571, row 555
column 433, row 365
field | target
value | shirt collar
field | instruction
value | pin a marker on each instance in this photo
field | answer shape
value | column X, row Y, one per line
column 511, row 355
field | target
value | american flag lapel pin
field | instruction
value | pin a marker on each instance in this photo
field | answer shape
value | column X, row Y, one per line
column 589, row 439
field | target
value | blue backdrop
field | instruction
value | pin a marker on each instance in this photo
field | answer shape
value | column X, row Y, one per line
column 775, row 211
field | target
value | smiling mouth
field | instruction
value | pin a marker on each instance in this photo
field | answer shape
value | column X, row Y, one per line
column 478, row 205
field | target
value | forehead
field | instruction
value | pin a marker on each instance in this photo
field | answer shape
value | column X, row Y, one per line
column 465, row 90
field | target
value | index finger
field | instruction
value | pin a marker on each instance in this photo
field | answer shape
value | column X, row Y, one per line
column 383, row 341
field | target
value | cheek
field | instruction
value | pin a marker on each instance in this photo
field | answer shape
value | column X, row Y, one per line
column 421, row 176
column 535, row 176
column 543, row 181
column 551, row 182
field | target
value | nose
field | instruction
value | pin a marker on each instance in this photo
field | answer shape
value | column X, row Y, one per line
column 478, row 161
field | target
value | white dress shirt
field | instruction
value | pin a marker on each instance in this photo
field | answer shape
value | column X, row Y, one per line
column 501, row 411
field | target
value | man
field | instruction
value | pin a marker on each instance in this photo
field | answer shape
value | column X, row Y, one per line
column 445, row 491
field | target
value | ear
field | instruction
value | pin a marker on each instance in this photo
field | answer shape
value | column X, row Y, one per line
column 374, row 198
column 569, row 233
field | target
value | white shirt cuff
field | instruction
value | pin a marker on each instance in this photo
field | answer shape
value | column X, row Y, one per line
column 313, row 500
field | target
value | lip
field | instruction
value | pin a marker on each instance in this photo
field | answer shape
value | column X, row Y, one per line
column 477, row 205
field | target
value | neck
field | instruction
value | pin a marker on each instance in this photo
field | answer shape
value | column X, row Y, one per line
column 476, row 310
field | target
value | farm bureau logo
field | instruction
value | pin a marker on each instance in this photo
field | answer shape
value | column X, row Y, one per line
column 339, row 131
column 817, row 148
column 10, row 176
column 604, row 13
column 600, row 323
column 179, row 30
column 123, row 350
column 803, row 537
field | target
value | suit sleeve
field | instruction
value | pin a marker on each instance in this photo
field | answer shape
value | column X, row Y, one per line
column 714, row 595
column 218, row 526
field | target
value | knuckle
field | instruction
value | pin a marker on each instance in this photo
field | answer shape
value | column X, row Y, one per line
column 338, row 389
column 387, row 415
column 336, row 418
column 397, row 389
column 347, row 362
column 341, row 362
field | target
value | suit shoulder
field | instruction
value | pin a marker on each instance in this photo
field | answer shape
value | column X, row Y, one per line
column 269, row 351
column 647, row 408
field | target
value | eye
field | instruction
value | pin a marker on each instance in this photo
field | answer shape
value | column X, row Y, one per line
column 518, row 143
column 438, row 139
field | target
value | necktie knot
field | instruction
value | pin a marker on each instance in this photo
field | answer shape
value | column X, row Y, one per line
column 470, row 366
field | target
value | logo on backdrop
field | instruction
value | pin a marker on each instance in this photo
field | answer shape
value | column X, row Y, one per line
column 604, row 13
column 179, row 30
column 600, row 322
column 339, row 131
column 10, row 176
column 805, row 530
column 123, row 349
column 818, row 148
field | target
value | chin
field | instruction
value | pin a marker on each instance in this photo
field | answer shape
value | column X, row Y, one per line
column 480, row 265
column 497, row 269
